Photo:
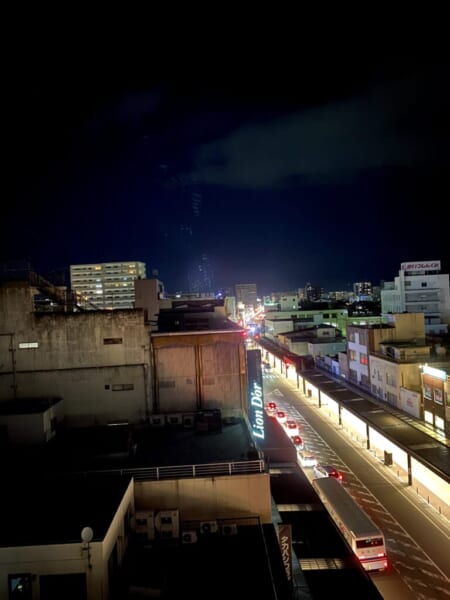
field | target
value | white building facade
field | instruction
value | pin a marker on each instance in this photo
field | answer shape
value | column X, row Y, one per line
column 420, row 288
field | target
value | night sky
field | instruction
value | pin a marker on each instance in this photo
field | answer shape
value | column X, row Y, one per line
column 330, row 169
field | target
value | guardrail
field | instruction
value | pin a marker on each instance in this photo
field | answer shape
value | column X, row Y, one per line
column 245, row 467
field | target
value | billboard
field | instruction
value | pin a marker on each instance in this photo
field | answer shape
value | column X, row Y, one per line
column 255, row 396
column 285, row 541
column 430, row 265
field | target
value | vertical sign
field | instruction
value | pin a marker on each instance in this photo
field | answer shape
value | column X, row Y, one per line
column 255, row 398
column 285, row 541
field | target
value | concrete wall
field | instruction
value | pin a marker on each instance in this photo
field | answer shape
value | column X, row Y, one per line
column 97, row 362
column 101, row 365
column 209, row 498
column 93, row 396
column 62, row 559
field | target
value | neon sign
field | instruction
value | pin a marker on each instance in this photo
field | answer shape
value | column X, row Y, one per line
column 255, row 394
column 256, row 403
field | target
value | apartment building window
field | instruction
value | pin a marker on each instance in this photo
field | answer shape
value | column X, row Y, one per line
column 378, row 392
column 391, row 398
column 364, row 380
column 353, row 355
column 391, row 380
column 363, row 359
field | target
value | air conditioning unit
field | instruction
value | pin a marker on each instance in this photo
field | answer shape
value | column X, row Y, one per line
column 174, row 419
column 188, row 421
column 208, row 527
column 189, row 537
column 167, row 523
column 145, row 524
column 229, row 529
column 157, row 420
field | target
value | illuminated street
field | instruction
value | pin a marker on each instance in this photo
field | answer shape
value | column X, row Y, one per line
column 415, row 533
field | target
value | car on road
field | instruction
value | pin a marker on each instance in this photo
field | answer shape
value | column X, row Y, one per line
column 281, row 416
column 306, row 458
column 327, row 471
column 291, row 427
column 271, row 408
column 297, row 441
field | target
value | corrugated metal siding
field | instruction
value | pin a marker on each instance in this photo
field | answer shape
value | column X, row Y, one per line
column 176, row 379
column 220, row 376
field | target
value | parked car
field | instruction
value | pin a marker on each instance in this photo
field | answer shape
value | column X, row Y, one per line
column 291, row 427
column 327, row 471
column 306, row 458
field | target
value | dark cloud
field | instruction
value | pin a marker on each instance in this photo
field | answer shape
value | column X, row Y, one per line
column 383, row 127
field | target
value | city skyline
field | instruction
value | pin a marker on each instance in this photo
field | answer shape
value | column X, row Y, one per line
column 334, row 179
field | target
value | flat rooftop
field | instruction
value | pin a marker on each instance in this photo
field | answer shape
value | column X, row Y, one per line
column 69, row 491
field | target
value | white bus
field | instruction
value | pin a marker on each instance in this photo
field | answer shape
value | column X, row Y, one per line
column 364, row 537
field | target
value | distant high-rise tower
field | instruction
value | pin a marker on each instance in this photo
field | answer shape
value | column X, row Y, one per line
column 312, row 292
column 201, row 276
column 363, row 290
column 106, row 286
column 246, row 294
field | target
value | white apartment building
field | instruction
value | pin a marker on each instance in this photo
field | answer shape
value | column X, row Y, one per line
column 420, row 288
column 106, row 286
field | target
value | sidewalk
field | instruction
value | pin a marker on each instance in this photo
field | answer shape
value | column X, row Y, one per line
column 407, row 418
column 430, row 499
